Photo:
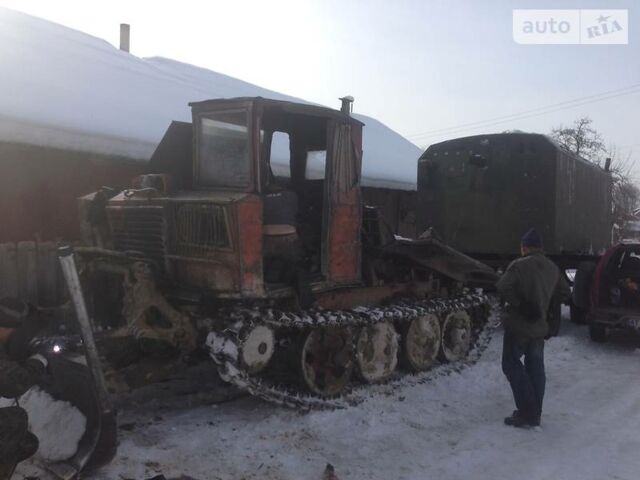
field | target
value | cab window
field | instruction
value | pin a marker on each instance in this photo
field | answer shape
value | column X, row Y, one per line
column 223, row 150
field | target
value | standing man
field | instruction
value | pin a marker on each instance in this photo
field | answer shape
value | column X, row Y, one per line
column 18, row 373
column 528, row 286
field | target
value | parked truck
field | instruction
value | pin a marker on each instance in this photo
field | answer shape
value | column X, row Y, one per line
column 481, row 193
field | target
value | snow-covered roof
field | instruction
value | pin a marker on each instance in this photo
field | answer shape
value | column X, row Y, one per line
column 63, row 88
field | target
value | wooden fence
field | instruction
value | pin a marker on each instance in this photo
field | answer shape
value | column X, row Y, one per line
column 30, row 270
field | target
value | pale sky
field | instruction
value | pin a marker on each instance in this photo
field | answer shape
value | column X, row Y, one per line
column 426, row 68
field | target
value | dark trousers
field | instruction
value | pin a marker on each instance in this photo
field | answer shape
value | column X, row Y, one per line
column 527, row 380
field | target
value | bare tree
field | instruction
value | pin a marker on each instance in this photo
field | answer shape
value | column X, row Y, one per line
column 582, row 139
column 625, row 193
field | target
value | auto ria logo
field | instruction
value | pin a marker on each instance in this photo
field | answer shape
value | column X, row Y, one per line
column 571, row 27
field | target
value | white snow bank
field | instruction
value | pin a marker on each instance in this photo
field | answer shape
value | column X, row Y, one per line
column 63, row 88
column 58, row 425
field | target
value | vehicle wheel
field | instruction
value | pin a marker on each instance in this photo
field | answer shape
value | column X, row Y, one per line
column 377, row 352
column 456, row 336
column 421, row 342
column 578, row 315
column 256, row 349
column 598, row 333
column 327, row 360
column 582, row 284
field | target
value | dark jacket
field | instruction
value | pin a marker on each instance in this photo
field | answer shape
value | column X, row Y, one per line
column 528, row 286
column 16, row 379
column 16, row 442
column 280, row 208
column 19, row 371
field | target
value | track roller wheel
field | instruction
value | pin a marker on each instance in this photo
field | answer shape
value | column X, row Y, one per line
column 421, row 342
column 377, row 352
column 456, row 336
column 256, row 349
column 327, row 360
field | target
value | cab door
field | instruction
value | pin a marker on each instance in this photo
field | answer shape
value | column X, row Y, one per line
column 342, row 218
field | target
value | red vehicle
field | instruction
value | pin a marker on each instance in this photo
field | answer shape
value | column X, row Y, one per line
column 606, row 293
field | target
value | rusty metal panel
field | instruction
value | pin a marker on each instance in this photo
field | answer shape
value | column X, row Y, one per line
column 346, row 298
column 140, row 228
column 200, row 229
column 249, row 214
column 219, row 276
column 204, row 255
column 344, row 244
column 203, row 249
column 343, row 216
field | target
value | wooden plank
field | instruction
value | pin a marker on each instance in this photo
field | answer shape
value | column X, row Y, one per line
column 27, row 271
column 47, row 274
column 8, row 270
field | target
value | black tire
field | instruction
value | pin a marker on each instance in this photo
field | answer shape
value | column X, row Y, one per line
column 578, row 315
column 598, row 333
column 582, row 284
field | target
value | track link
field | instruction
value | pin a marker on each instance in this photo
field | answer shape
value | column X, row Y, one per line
column 224, row 347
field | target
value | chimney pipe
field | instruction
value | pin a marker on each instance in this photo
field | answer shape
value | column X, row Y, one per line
column 347, row 104
column 607, row 164
column 125, row 30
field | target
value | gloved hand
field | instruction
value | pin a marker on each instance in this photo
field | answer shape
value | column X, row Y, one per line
column 37, row 364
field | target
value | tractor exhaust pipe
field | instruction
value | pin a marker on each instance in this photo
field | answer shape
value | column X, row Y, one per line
column 347, row 104
column 125, row 33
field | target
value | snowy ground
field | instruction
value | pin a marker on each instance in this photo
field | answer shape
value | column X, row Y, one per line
column 450, row 428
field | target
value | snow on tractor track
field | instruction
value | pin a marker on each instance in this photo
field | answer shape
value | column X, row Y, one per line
column 448, row 428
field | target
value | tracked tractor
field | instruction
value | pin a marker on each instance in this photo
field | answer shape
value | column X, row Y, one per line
column 247, row 242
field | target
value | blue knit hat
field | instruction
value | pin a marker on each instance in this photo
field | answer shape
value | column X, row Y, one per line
column 531, row 239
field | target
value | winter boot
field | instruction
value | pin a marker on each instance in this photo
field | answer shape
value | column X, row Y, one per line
column 518, row 420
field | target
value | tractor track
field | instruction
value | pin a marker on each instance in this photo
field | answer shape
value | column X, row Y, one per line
column 226, row 353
